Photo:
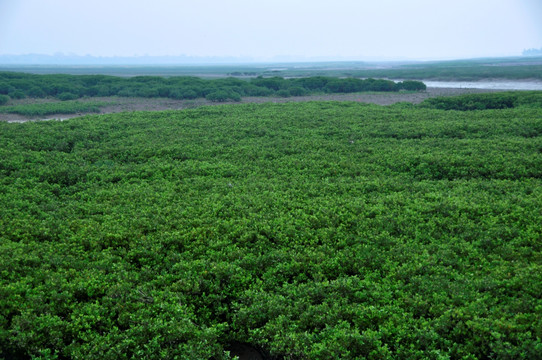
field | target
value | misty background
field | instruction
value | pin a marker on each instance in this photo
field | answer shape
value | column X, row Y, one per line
column 278, row 30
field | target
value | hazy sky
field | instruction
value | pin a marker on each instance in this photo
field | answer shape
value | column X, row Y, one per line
column 417, row 29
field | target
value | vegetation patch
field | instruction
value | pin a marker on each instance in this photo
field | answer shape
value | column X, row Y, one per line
column 320, row 230
column 503, row 100
column 70, row 87
column 4, row 99
column 50, row 108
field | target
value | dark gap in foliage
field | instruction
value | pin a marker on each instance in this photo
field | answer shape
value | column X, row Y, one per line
column 248, row 352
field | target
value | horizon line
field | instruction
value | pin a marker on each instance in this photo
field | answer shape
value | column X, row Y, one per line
column 231, row 59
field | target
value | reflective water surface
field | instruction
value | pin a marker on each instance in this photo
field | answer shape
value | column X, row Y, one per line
column 495, row 85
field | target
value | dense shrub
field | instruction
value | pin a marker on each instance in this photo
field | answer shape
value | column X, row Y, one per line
column 67, row 96
column 273, row 83
column 183, row 87
column 163, row 91
column 5, row 88
column 36, row 92
column 319, row 230
column 297, row 91
column 17, row 94
column 380, row 85
column 344, row 85
column 189, row 94
column 315, row 83
column 128, row 92
column 222, row 95
column 283, row 93
column 472, row 102
column 411, row 85
column 252, row 90
column 529, row 99
column 4, row 99
column 148, row 92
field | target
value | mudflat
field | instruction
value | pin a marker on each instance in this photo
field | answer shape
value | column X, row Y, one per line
column 121, row 104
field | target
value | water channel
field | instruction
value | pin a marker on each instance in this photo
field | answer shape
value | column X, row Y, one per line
column 490, row 85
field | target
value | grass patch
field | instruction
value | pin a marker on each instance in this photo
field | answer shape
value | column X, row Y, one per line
column 50, row 108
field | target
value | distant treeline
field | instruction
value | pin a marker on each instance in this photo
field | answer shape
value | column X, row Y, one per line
column 532, row 52
column 70, row 87
column 458, row 72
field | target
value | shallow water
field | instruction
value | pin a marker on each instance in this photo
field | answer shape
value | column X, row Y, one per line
column 490, row 85
column 27, row 120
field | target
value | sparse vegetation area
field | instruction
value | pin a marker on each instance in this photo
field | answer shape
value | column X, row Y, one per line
column 526, row 68
column 458, row 71
column 320, row 230
column 515, row 68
